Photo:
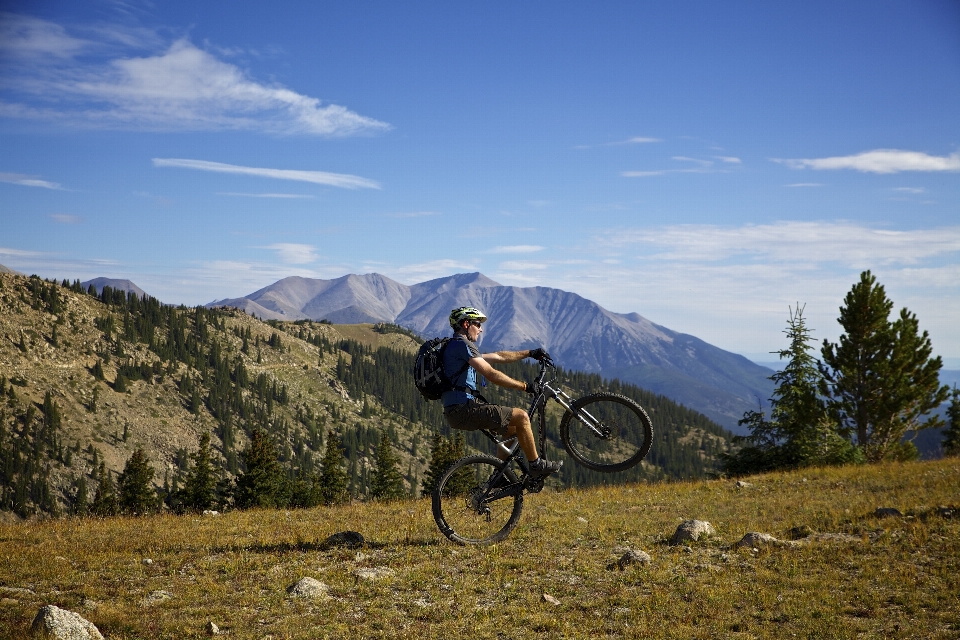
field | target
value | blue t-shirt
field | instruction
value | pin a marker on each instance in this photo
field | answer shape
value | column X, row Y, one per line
column 459, row 351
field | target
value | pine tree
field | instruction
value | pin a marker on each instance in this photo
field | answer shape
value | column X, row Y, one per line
column 443, row 453
column 80, row 505
column 799, row 432
column 333, row 479
column 387, row 483
column 137, row 497
column 951, row 435
column 264, row 483
column 105, row 499
column 880, row 377
column 200, row 486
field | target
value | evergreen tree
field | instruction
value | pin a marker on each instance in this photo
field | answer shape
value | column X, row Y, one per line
column 333, row 479
column 137, row 497
column 105, row 499
column 264, row 483
column 880, row 377
column 120, row 383
column 443, row 453
column 80, row 505
column 951, row 435
column 200, row 486
column 799, row 432
column 387, row 483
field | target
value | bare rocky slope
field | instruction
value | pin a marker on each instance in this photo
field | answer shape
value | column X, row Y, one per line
column 579, row 333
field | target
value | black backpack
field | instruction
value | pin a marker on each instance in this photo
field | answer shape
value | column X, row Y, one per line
column 428, row 372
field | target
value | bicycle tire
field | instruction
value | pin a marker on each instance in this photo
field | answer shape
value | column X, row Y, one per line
column 462, row 518
column 629, row 439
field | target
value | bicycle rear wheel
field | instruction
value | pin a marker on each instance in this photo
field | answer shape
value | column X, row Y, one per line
column 606, row 432
column 468, row 510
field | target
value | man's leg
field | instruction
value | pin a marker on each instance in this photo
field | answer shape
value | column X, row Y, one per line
column 520, row 427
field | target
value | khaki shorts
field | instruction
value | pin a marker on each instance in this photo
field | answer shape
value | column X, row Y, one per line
column 473, row 415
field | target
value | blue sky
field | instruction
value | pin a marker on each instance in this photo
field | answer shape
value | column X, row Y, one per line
column 704, row 164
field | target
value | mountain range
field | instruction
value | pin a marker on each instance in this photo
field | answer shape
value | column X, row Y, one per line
column 579, row 334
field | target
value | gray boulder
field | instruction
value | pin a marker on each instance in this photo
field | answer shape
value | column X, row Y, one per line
column 308, row 588
column 349, row 539
column 633, row 557
column 691, row 531
column 756, row 539
column 60, row 624
column 887, row 512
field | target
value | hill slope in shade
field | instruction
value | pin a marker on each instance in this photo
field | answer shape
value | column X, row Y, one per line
column 579, row 333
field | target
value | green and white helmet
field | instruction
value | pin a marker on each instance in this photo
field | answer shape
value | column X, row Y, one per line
column 460, row 314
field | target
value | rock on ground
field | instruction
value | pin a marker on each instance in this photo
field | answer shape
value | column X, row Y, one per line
column 60, row 624
column 887, row 512
column 633, row 557
column 349, row 539
column 374, row 573
column 308, row 588
column 756, row 539
column 692, row 530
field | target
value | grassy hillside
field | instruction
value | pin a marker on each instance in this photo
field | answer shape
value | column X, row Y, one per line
column 65, row 410
column 881, row 578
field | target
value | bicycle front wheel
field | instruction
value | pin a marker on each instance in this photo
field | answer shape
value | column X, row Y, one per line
column 606, row 432
column 468, row 509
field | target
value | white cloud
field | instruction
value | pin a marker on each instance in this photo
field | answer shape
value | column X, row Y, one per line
column 27, row 37
column 182, row 88
column 519, row 248
column 423, row 271
column 316, row 177
column 702, row 163
column 66, row 218
column 663, row 172
column 800, row 242
column 28, row 181
column 804, row 184
column 293, row 253
column 910, row 189
column 879, row 161
column 633, row 140
column 263, row 195
column 729, row 159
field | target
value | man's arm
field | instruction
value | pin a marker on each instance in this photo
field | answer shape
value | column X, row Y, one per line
column 502, row 357
column 497, row 377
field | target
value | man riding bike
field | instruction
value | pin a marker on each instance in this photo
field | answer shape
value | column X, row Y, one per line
column 465, row 409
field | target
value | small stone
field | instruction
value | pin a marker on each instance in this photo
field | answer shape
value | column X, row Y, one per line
column 755, row 539
column 633, row 557
column 212, row 628
column 582, row 519
column 375, row 573
column 157, row 596
column 147, row 561
column 308, row 588
column 743, row 485
column 60, row 624
column 349, row 539
column 887, row 512
column 549, row 598
column 692, row 530
column 210, row 512
column 797, row 533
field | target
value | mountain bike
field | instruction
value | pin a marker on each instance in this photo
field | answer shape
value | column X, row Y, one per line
column 478, row 499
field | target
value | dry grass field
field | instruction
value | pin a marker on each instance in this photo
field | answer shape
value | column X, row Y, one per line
column 892, row 577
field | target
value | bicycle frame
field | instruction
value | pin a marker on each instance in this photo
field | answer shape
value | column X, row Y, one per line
column 538, row 405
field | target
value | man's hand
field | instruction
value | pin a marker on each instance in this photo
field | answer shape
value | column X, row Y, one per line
column 531, row 389
column 540, row 355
